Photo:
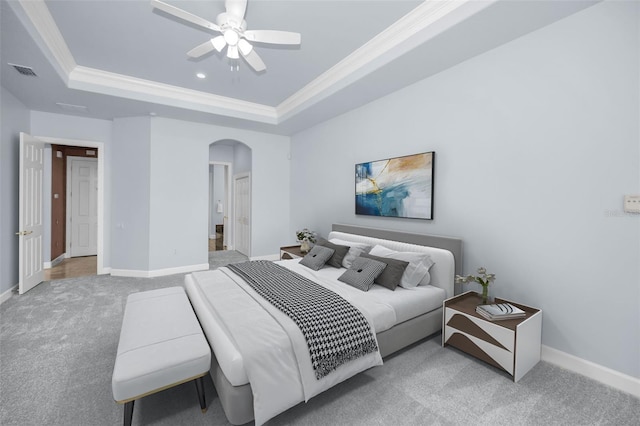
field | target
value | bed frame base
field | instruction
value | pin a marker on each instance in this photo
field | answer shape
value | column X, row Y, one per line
column 237, row 401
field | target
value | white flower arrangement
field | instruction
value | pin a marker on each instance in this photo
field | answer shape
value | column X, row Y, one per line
column 306, row 235
column 483, row 279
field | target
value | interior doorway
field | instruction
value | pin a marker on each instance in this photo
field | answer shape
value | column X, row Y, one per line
column 219, row 205
column 233, row 158
column 76, row 209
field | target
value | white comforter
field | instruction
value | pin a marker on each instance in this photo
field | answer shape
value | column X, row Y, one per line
column 274, row 351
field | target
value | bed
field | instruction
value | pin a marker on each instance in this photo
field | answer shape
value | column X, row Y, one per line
column 225, row 306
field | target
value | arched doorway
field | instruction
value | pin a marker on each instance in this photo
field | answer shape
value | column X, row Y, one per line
column 229, row 196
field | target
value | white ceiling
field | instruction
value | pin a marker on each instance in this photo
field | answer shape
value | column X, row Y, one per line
column 123, row 58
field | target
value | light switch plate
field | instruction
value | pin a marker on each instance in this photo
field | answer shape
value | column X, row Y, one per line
column 632, row 203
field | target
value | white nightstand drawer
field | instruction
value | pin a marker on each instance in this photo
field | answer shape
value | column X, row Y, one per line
column 481, row 329
column 499, row 355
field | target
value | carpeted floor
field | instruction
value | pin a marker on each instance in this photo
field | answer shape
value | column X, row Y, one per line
column 58, row 345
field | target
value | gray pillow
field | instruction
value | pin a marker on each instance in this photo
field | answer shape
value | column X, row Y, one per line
column 392, row 274
column 338, row 255
column 362, row 272
column 317, row 257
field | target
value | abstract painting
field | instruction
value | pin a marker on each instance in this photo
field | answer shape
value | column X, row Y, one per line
column 396, row 187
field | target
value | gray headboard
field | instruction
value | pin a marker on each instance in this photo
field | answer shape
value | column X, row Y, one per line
column 454, row 245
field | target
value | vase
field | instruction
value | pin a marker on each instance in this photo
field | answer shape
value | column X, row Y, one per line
column 485, row 294
column 304, row 246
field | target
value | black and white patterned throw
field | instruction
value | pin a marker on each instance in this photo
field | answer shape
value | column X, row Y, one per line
column 336, row 332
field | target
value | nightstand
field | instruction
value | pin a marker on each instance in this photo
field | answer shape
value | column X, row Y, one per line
column 291, row 252
column 510, row 345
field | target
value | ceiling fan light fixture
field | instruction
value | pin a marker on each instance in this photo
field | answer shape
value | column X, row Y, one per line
column 231, row 37
column 232, row 52
column 245, row 47
column 218, row 43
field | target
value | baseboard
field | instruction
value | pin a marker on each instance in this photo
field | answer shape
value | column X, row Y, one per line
column 158, row 272
column 7, row 294
column 54, row 262
column 607, row 376
column 266, row 257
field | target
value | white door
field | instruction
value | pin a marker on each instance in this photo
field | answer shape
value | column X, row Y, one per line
column 242, row 213
column 83, row 203
column 30, row 268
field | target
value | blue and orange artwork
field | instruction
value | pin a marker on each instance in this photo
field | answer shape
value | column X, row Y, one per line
column 396, row 187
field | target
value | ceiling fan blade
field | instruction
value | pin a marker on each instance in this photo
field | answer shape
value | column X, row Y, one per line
column 218, row 43
column 201, row 49
column 236, row 8
column 254, row 60
column 232, row 52
column 184, row 15
column 272, row 36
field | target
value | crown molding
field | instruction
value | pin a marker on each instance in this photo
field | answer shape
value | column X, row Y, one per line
column 391, row 42
column 108, row 83
column 385, row 47
column 40, row 17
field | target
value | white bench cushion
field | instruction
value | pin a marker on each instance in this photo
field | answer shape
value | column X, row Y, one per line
column 161, row 344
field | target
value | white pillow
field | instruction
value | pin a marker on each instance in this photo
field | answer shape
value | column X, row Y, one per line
column 417, row 270
column 355, row 250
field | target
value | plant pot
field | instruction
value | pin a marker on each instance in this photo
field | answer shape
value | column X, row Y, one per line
column 305, row 246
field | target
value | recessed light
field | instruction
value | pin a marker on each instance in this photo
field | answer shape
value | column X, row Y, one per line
column 201, row 75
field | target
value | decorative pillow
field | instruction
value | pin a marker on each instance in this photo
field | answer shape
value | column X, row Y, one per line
column 338, row 255
column 417, row 270
column 317, row 257
column 355, row 250
column 392, row 274
column 362, row 273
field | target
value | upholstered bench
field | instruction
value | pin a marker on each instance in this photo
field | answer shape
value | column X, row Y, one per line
column 161, row 346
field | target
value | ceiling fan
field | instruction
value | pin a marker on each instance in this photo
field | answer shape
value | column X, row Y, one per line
column 234, row 34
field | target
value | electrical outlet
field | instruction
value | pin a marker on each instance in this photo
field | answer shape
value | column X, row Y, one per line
column 632, row 203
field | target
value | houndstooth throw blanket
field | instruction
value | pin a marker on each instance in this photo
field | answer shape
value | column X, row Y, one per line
column 336, row 332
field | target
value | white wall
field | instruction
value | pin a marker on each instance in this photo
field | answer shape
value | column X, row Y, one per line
column 75, row 128
column 536, row 143
column 14, row 118
column 179, row 190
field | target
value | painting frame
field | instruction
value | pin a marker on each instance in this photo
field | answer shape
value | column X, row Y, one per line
column 400, row 187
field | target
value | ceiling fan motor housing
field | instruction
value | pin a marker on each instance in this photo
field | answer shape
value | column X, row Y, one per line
column 226, row 20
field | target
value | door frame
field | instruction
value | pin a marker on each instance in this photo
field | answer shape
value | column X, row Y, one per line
column 235, row 195
column 101, row 182
column 69, row 209
column 228, row 227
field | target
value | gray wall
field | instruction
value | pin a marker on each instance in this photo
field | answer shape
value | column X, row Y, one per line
column 130, row 209
column 179, row 190
column 14, row 118
column 536, row 144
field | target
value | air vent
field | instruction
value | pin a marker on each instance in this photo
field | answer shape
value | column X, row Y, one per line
column 28, row 71
column 72, row 108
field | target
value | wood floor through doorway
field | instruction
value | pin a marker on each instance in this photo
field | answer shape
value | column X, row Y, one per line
column 73, row 267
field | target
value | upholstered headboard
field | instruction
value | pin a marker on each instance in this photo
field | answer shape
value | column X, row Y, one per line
column 445, row 251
